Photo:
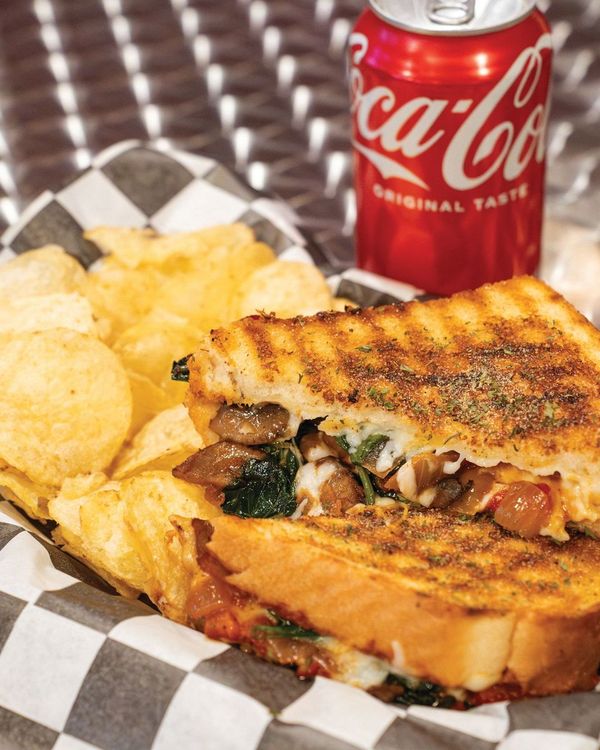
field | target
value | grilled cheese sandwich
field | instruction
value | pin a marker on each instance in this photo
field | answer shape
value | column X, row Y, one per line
column 485, row 401
column 382, row 598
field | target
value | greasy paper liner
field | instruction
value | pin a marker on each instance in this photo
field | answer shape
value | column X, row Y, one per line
column 83, row 668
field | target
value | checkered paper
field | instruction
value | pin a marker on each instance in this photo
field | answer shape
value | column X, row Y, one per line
column 82, row 668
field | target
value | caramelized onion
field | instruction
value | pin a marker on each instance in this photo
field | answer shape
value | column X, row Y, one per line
column 291, row 650
column 307, row 657
column 250, row 425
column 222, row 625
column 219, row 465
column 428, row 469
column 210, row 596
column 524, row 509
column 477, row 483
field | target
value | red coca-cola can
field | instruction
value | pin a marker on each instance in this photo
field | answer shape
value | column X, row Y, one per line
column 449, row 110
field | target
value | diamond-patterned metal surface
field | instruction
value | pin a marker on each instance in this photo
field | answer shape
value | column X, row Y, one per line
column 256, row 84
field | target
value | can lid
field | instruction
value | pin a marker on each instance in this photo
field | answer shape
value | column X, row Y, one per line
column 452, row 17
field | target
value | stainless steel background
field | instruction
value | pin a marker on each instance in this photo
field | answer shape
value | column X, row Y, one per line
column 257, row 84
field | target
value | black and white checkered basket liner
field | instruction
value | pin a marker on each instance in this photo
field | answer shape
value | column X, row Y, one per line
column 82, row 668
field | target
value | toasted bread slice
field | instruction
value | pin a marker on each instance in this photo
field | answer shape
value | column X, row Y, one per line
column 508, row 373
column 459, row 603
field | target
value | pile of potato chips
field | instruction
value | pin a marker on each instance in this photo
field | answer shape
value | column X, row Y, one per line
column 91, row 423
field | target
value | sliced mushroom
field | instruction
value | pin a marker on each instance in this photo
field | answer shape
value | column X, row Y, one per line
column 317, row 445
column 219, row 465
column 250, row 425
column 340, row 492
column 326, row 487
column 446, row 492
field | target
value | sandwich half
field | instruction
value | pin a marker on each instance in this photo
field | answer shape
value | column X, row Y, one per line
column 413, row 606
column 485, row 402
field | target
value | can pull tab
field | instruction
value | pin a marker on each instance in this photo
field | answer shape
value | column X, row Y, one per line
column 451, row 12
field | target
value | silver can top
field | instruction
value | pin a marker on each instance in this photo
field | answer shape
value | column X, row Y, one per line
column 452, row 17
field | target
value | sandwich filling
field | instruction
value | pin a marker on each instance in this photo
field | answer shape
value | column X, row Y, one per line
column 226, row 613
column 268, row 463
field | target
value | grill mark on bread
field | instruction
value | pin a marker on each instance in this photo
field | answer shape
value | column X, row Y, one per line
column 313, row 368
column 370, row 356
column 466, row 562
column 259, row 335
column 517, row 397
column 494, row 609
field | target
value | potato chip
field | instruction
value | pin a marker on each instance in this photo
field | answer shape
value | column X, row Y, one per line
column 148, row 401
column 205, row 291
column 162, row 443
column 234, row 235
column 120, row 295
column 238, row 268
column 109, row 538
column 129, row 245
column 94, row 529
column 136, row 247
column 182, row 553
column 286, row 288
column 48, row 311
column 190, row 295
column 83, row 484
column 150, row 346
column 30, row 497
column 123, row 530
column 47, row 270
column 65, row 404
column 151, row 499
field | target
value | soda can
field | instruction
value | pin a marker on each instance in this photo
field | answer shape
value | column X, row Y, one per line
column 449, row 113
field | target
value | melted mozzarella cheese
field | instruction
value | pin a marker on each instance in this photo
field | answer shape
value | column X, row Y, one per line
column 407, row 481
column 400, row 444
column 354, row 667
column 427, row 496
column 299, row 509
column 317, row 452
column 309, row 481
column 390, row 453
column 451, row 467
column 292, row 427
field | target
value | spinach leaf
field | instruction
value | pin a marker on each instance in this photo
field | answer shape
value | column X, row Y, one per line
column 266, row 486
column 180, row 369
column 420, row 693
column 365, row 480
column 369, row 448
column 342, row 441
column 285, row 629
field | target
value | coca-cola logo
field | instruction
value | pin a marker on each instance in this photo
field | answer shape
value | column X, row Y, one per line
column 480, row 147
